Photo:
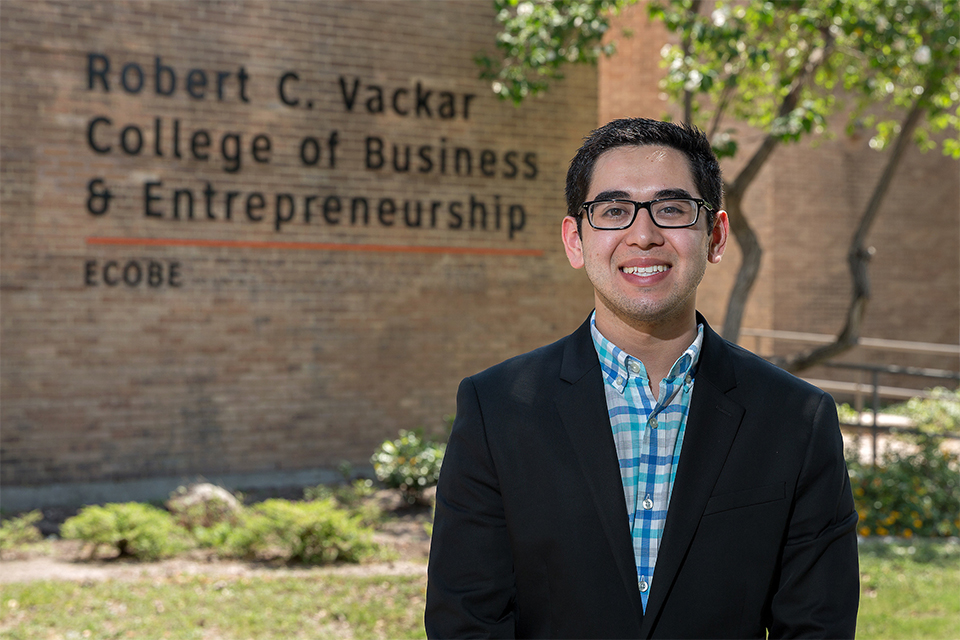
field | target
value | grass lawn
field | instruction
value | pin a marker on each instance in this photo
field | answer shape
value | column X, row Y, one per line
column 909, row 590
column 216, row 608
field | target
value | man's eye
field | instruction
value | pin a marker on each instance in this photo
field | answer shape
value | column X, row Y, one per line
column 613, row 211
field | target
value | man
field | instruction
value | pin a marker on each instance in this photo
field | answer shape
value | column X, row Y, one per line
column 642, row 477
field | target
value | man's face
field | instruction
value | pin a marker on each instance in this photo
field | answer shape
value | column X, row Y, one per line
column 644, row 276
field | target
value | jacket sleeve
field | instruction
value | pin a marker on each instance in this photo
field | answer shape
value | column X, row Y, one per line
column 471, row 589
column 819, row 585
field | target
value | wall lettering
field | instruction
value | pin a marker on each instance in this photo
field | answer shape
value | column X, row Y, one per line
column 233, row 149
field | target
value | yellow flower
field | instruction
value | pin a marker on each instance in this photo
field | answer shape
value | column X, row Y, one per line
column 907, row 533
column 864, row 531
column 917, row 523
column 881, row 531
column 859, row 491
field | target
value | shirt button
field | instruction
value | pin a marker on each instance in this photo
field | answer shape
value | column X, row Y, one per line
column 653, row 422
column 619, row 380
column 643, row 586
column 633, row 366
column 648, row 504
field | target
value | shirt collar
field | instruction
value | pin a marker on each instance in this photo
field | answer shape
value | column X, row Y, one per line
column 618, row 366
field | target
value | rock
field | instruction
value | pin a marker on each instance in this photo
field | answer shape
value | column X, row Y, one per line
column 203, row 505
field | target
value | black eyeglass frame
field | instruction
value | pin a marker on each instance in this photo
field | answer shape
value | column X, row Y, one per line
column 644, row 205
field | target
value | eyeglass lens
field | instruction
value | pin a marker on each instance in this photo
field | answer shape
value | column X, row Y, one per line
column 613, row 214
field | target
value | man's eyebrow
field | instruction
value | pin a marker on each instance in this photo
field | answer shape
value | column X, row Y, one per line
column 673, row 193
column 612, row 195
column 615, row 194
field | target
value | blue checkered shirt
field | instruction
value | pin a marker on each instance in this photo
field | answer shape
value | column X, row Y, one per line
column 648, row 434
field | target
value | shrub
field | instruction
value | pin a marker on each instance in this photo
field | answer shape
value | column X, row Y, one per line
column 19, row 531
column 312, row 532
column 410, row 464
column 354, row 497
column 913, row 490
column 132, row 529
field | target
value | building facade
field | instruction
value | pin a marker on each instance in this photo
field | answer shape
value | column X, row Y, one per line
column 249, row 241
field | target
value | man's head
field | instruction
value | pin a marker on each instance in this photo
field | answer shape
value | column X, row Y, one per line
column 689, row 140
column 646, row 263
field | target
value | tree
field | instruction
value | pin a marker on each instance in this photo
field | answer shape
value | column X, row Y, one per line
column 778, row 69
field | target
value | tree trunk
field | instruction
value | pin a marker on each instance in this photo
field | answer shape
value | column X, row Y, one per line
column 859, row 255
column 751, row 252
column 733, row 200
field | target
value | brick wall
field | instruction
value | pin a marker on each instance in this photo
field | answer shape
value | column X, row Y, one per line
column 257, row 340
column 262, row 342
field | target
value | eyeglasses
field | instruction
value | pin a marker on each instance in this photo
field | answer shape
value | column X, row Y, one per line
column 666, row 213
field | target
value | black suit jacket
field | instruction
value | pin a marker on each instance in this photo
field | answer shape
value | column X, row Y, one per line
column 531, row 533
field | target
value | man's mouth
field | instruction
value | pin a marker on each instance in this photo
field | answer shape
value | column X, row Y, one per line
column 645, row 271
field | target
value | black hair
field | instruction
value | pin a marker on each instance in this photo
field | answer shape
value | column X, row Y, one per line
column 685, row 138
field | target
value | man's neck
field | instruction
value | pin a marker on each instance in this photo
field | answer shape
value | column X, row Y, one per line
column 657, row 345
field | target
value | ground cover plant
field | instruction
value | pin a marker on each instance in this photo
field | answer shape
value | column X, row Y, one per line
column 909, row 589
column 129, row 529
column 914, row 488
column 20, row 530
column 411, row 463
column 196, row 607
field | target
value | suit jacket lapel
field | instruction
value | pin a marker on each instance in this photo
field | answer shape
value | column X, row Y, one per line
column 712, row 425
column 583, row 411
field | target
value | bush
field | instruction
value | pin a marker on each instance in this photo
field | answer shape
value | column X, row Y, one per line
column 354, row 497
column 19, row 531
column 410, row 464
column 312, row 532
column 913, row 490
column 132, row 529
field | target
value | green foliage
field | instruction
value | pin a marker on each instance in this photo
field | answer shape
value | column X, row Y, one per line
column 20, row 530
column 132, row 529
column 902, row 54
column 310, row 532
column 354, row 497
column 746, row 58
column 909, row 589
column 934, row 416
column 847, row 414
column 306, row 606
column 540, row 36
column 409, row 463
column 914, row 489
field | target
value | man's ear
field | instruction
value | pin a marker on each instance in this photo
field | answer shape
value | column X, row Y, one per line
column 572, row 242
column 718, row 237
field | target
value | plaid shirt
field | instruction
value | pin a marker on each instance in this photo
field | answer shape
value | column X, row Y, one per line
column 648, row 433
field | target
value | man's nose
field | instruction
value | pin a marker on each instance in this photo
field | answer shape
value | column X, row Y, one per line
column 643, row 233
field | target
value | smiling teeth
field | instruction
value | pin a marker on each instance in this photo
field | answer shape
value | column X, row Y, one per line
column 644, row 271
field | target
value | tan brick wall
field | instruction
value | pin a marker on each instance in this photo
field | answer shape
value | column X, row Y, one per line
column 295, row 356
column 263, row 357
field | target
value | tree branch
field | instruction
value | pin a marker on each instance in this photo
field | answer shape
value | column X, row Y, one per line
column 858, row 256
column 817, row 57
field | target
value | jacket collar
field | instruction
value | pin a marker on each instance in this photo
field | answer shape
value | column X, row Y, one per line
column 712, row 425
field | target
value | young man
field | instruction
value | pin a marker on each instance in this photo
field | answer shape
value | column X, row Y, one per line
column 642, row 477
